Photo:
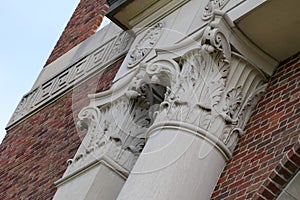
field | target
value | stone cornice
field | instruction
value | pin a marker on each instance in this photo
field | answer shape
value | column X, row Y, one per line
column 97, row 60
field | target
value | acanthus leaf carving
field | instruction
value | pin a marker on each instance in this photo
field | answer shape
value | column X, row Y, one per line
column 128, row 124
column 118, row 128
column 200, row 91
column 250, row 103
column 196, row 88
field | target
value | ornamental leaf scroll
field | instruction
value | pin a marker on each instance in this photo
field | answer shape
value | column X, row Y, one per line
column 212, row 6
column 145, row 45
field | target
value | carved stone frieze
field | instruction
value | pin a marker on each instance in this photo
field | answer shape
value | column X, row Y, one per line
column 58, row 84
column 122, row 42
column 211, row 6
column 145, row 45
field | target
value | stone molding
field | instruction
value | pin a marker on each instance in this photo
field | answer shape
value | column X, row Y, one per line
column 97, row 60
column 103, row 160
column 277, row 182
column 155, row 13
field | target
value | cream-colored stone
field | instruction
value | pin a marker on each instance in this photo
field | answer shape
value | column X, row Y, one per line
column 89, row 57
column 97, row 182
column 76, row 53
column 211, row 92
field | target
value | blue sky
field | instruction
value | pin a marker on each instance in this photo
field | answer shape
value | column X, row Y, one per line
column 29, row 31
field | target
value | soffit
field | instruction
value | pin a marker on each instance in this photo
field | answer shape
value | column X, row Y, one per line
column 129, row 13
column 274, row 27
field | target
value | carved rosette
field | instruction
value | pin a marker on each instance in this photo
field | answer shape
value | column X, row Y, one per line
column 212, row 6
column 145, row 45
column 237, row 112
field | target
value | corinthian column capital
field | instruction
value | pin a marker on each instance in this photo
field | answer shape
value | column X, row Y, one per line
column 210, row 87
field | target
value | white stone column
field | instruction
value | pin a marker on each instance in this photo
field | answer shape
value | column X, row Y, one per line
column 175, row 164
column 211, row 92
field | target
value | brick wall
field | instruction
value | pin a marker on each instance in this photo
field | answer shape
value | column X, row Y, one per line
column 268, row 155
column 33, row 154
column 85, row 20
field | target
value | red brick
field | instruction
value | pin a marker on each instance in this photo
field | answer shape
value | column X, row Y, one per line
column 267, row 194
column 272, row 187
column 85, row 20
column 294, row 157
